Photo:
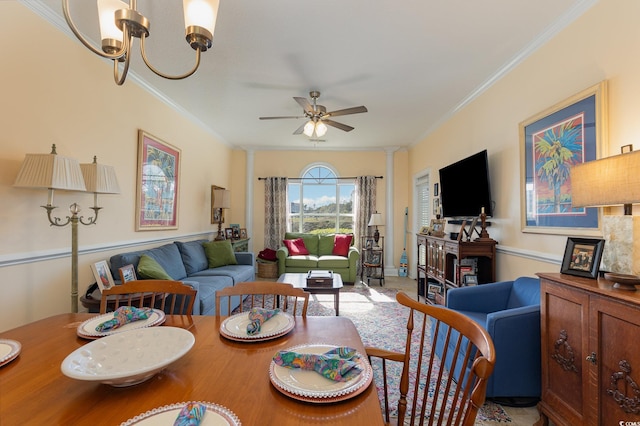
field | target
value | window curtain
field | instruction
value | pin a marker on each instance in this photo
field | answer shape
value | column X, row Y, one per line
column 275, row 211
column 365, row 206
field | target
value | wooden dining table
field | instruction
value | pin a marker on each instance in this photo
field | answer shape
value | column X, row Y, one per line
column 33, row 389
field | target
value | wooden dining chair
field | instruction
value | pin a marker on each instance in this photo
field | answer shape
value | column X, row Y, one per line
column 451, row 396
column 264, row 294
column 160, row 294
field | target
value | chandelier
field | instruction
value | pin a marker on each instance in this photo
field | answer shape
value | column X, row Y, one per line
column 120, row 22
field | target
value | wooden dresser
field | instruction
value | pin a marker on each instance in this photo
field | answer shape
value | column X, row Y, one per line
column 590, row 352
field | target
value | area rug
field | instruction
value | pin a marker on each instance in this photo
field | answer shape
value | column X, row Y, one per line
column 382, row 322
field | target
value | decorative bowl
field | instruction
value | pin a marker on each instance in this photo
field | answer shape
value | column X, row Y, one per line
column 129, row 357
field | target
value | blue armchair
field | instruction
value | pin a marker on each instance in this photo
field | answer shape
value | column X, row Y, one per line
column 510, row 312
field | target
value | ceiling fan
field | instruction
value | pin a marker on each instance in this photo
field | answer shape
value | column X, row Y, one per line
column 318, row 116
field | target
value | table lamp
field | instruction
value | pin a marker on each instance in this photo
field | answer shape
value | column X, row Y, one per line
column 221, row 200
column 613, row 181
column 376, row 220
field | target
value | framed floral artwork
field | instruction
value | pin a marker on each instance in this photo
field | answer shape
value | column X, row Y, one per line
column 571, row 132
column 158, row 185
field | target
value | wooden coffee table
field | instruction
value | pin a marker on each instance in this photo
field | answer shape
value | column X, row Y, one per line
column 300, row 281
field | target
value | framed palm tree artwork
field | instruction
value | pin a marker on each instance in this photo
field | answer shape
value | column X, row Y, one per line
column 571, row 132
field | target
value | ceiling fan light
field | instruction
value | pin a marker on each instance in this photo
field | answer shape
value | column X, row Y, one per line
column 309, row 128
column 321, row 129
column 106, row 15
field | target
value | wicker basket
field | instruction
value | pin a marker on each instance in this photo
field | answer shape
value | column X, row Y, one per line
column 267, row 270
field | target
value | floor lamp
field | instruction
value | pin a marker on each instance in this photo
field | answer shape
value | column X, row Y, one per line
column 613, row 181
column 52, row 171
column 221, row 200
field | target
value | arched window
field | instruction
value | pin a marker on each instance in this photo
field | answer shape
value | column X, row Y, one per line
column 320, row 202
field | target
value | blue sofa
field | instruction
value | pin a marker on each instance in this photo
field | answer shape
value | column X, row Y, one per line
column 187, row 262
column 510, row 312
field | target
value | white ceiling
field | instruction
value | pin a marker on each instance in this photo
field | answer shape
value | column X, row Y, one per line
column 412, row 63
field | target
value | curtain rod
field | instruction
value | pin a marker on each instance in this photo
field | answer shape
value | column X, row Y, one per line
column 315, row 178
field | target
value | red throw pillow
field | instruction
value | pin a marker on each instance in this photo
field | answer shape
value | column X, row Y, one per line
column 296, row 247
column 341, row 244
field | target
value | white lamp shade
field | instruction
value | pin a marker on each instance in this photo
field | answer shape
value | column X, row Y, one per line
column 376, row 220
column 106, row 16
column 50, row 171
column 221, row 199
column 309, row 128
column 321, row 129
column 201, row 13
column 100, row 179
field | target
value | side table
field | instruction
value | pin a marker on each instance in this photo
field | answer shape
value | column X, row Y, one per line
column 372, row 259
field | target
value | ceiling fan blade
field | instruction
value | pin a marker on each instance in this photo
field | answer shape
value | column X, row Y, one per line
column 337, row 125
column 347, row 111
column 277, row 118
column 304, row 103
column 300, row 129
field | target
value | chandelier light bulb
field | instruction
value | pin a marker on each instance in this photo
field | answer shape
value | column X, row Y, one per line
column 321, row 129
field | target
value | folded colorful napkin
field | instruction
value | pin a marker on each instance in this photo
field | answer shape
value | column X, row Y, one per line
column 339, row 364
column 191, row 414
column 124, row 315
column 259, row 316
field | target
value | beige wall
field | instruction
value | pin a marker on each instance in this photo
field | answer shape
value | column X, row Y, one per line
column 66, row 95
column 598, row 46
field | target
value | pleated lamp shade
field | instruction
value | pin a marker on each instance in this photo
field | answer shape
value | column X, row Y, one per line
column 51, row 171
column 100, row 179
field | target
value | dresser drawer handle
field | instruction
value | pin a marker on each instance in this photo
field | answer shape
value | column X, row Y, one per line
column 592, row 358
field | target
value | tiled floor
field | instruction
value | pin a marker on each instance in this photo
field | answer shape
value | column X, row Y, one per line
column 520, row 416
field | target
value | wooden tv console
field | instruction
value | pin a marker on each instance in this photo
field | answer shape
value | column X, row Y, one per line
column 441, row 263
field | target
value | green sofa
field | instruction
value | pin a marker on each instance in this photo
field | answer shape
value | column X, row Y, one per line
column 320, row 256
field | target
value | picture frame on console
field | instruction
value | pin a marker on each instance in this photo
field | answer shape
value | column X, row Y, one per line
column 127, row 273
column 102, row 274
column 437, row 227
column 579, row 125
column 582, row 257
column 228, row 233
column 158, row 185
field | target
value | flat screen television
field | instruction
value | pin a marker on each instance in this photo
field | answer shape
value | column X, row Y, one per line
column 465, row 187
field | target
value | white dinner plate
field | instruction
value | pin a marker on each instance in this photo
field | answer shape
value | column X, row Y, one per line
column 87, row 330
column 129, row 357
column 9, row 350
column 235, row 327
column 310, row 385
column 216, row 415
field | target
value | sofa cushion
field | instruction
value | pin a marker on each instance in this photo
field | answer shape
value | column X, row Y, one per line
column 341, row 244
column 168, row 256
column 296, row 247
column 310, row 240
column 302, row 261
column 331, row 262
column 150, row 269
column 325, row 244
column 238, row 273
column 193, row 256
column 219, row 253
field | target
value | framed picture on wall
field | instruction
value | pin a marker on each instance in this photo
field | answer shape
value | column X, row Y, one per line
column 570, row 132
column 158, row 185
